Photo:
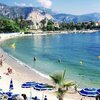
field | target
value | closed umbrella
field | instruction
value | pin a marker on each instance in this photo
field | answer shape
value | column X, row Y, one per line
column 11, row 85
column 1, row 92
column 10, row 88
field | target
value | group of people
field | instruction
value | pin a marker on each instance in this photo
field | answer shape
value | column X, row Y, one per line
column 35, row 98
column 34, row 59
column 9, row 71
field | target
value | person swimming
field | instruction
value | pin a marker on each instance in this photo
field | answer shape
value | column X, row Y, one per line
column 34, row 58
column 98, row 57
column 59, row 60
column 81, row 62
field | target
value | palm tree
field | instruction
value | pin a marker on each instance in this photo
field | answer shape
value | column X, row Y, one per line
column 61, row 84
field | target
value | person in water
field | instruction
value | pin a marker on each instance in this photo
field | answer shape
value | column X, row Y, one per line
column 59, row 60
column 81, row 62
column 98, row 57
column 34, row 58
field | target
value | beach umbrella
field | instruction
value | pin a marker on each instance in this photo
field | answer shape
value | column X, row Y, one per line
column 11, row 95
column 98, row 91
column 11, row 85
column 28, row 84
column 1, row 92
column 42, row 87
column 15, row 95
column 88, row 92
column 10, row 88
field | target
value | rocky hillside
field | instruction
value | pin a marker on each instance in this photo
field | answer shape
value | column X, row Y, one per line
column 37, row 16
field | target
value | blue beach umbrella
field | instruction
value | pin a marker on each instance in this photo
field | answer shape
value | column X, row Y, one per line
column 15, row 95
column 98, row 91
column 10, row 88
column 1, row 92
column 11, row 95
column 42, row 87
column 88, row 92
column 28, row 84
column 11, row 85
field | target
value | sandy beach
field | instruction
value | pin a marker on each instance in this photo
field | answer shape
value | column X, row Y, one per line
column 22, row 73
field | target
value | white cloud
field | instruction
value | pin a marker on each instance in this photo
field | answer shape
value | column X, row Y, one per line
column 23, row 4
column 45, row 3
column 20, row 4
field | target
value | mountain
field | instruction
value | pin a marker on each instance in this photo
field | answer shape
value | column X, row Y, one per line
column 39, row 13
column 64, row 17
column 16, row 11
column 77, row 18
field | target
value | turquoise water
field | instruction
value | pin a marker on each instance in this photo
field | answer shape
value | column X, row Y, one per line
column 69, row 48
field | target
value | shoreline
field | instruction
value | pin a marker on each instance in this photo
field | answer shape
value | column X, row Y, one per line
column 5, row 36
column 21, row 73
column 27, row 66
column 63, row 32
column 15, row 35
column 22, row 65
column 24, row 73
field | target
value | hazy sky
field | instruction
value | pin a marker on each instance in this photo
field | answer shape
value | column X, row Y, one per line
column 65, row 6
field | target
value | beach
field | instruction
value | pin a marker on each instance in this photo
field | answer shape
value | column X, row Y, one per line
column 21, row 73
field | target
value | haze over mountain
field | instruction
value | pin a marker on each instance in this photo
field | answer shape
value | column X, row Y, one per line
column 39, row 13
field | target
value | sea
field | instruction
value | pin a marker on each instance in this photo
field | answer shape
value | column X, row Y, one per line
column 78, row 54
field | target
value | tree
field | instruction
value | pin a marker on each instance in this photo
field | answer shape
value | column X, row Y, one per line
column 7, row 25
column 1, row 25
column 50, row 26
column 21, row 22
column 10, row 26
column 71, row 25
column 43, row 22
column 63, row 26
column 61, row 84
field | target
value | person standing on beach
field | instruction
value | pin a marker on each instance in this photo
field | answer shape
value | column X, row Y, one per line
column 24, row 96
column 1, row 60
column 45, row 98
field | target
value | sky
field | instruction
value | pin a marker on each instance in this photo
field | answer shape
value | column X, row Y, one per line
column 76, row 7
